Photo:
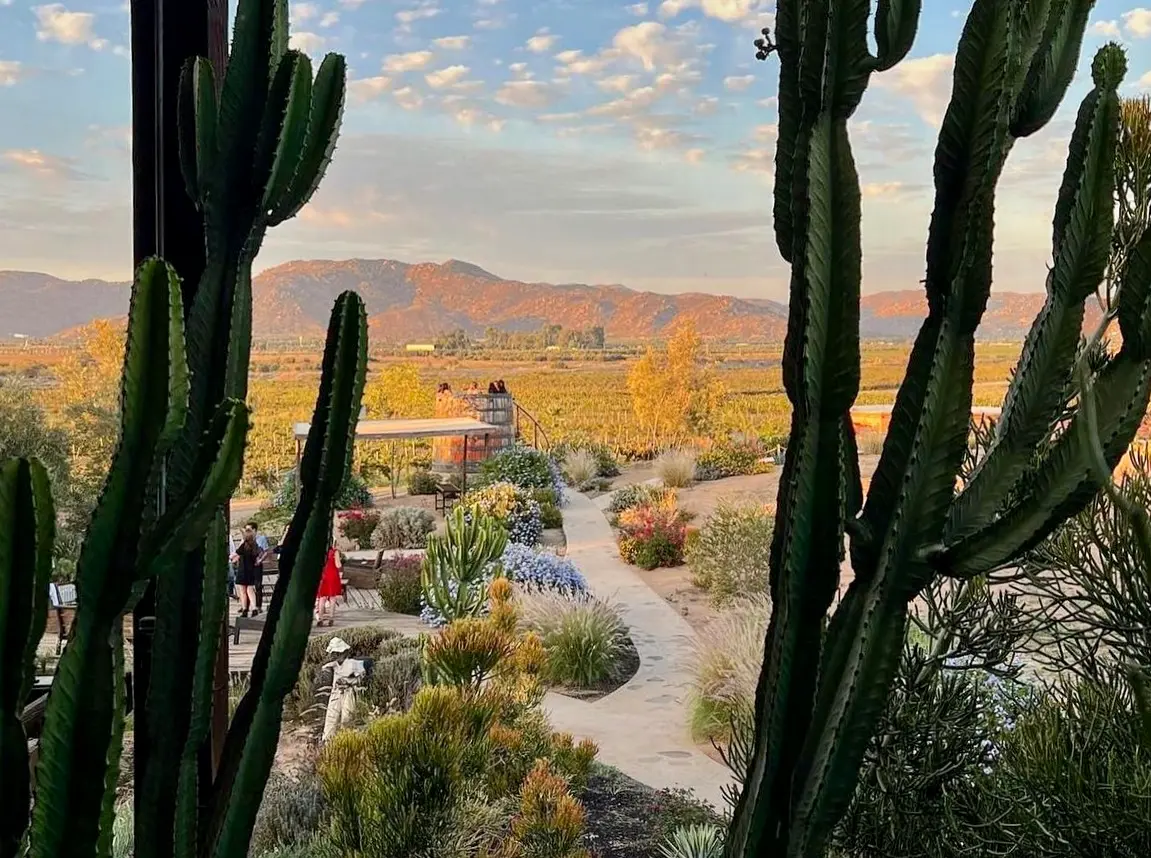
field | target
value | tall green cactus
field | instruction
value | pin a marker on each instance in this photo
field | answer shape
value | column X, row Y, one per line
column 253, row 154
column 825, row 683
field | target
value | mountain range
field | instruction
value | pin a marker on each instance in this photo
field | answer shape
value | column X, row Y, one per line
column 415, row 302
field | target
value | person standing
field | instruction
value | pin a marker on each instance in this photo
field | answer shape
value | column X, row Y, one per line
column 331, row 588
column 246, row 557
column 265, row 549
column 347, row 673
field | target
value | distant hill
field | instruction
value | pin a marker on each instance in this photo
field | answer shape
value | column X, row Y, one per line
column 409, row 302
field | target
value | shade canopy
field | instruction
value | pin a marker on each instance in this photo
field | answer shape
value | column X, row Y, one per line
column 398, row 430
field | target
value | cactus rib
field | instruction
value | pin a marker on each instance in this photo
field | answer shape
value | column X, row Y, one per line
column 27, row 532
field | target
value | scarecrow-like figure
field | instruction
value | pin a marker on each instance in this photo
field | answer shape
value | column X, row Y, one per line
column 347, row 674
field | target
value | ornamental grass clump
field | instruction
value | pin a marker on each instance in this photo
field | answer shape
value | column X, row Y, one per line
column 676, row 468
column 584, row 637
column 725, row 666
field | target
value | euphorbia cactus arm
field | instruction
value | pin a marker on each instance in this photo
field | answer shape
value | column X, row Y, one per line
column 27, row 531
column 817, row 205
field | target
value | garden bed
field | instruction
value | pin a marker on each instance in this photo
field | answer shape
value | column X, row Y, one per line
column 628, row 819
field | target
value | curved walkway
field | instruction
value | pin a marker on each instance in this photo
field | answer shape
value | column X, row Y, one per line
column 642, row 727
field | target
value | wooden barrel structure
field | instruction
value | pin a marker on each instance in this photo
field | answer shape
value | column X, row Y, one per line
column 498, row 409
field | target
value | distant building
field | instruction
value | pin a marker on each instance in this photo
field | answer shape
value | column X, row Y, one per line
column 420, row 348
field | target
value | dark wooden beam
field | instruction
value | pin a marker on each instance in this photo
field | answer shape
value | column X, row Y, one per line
column 165, row 35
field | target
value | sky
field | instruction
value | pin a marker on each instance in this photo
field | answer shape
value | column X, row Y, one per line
column 557, row 140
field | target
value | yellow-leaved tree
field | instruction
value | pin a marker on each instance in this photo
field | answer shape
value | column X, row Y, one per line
column 674, row 393
column 398, row 391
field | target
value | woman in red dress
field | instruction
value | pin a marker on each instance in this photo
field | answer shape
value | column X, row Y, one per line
column 331, row 588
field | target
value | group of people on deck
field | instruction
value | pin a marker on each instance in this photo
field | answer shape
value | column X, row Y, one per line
column 247, row 580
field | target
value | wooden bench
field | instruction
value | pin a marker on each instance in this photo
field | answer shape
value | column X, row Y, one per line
column 447, row 493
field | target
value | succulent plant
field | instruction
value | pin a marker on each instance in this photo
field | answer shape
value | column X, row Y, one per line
column 825, row 682
column 457, row 565
column 254, row 151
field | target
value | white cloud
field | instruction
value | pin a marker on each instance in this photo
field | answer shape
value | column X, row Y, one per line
column 368, row 88
column 649, row 43
column 520, row 70
column 446, row 77
column 766, row 133
column 1143, row 82
column 722, row 10
column 575, row 62
column 413, row 61
column 409, row 16
column 755, row 160
column 883, row 190
column 330, row 19
column 453, row 43
column 1138, row 22
column 309, row 43
column 10, row 72
column 301, row 12
column 638, row 9
column 1106, row 28
column 693, row 156
column 629, row 105
column 408, row 98
column 527, row 94
column 616, row 83
column 926, row 81
column 542, row 42
column 56, row 24
column 40, row 164
column 738, row 83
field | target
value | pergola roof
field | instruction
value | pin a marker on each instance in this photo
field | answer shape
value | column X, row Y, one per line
column 398, row 430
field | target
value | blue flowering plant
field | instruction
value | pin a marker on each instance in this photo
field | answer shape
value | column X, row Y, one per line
column 530, row 570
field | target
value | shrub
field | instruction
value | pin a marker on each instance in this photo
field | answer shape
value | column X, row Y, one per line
column 694, row 841
column 733, row 459
column 580, row 467
column 542, row 572
column 354, row 494
column 1082, row 768
column 584, row 638
column 676, row 468
column 395, row 671
column 512, row 506
column 400, row 586
column 550, row 823
column 652, row 535
column 290, row 812
column 606, row 463
column 467, row 651
column 525, row 467
column 357, row 526
column 550, row 516
column 728, row 556
column 460, row 566
column 422, row 482
column 725, row 666
column 403, row 527
column 630, row 497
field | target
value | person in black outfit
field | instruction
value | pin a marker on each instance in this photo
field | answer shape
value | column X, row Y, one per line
column 249, row 556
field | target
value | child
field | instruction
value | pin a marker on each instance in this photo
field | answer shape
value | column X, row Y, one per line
column 331, row 588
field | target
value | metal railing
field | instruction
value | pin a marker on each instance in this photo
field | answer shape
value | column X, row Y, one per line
column 537, row 430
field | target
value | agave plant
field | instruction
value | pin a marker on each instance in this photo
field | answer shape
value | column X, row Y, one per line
column 255, row 148
column 825, row 683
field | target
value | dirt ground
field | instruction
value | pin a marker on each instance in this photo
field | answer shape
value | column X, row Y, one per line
column 702, row 500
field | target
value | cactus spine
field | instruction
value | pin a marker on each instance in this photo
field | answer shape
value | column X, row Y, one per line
column 253, row 153
column 824, row 684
